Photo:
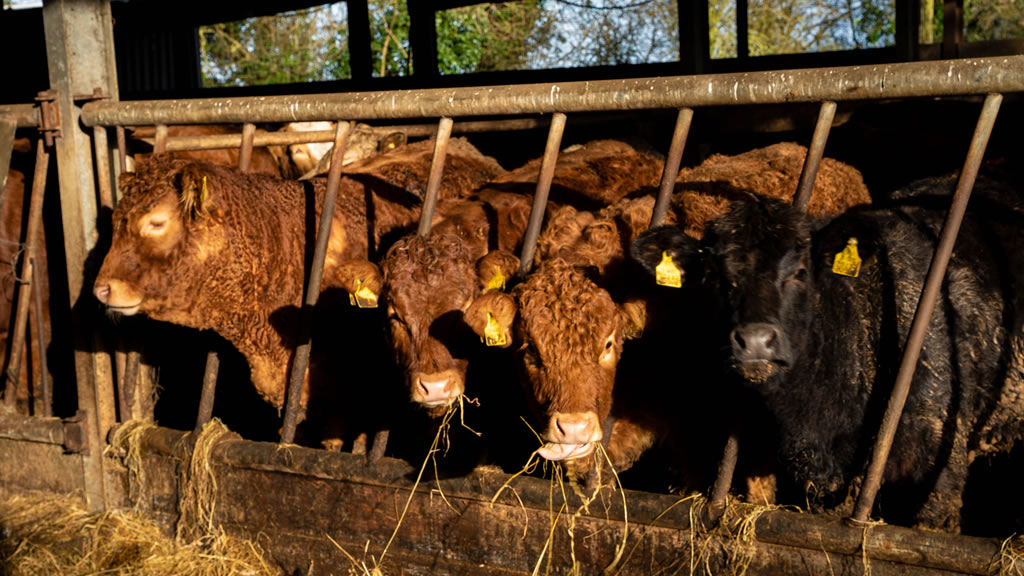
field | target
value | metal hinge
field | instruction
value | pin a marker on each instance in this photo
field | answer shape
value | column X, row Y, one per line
column 49, row 115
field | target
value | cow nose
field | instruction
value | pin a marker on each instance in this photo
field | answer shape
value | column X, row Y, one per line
column 756, row 341
column 438, row 388
column 575, row 428
column 102, row 292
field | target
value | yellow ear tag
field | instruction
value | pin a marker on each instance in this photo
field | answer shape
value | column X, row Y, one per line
column 666, row 273
column 847, row 262
column 202, row 194
column 497, row 281
column 493, row 335
column 364, row 297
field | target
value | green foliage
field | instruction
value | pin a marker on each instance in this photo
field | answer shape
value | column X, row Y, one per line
column 993, row 20
column 489, row 37
column 389, row 38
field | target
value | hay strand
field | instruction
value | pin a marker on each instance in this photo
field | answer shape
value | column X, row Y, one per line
column 1011, row 556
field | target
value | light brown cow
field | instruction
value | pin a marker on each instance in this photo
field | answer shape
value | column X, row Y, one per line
column 204, row 246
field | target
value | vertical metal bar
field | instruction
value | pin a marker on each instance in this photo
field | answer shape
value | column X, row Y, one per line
column 742, row 29
column 122, row 149
column 952, row 28
column 726, row 470
column 925, row 306
column 540, row 197
column 160, row 146
column 44, row 372
column 245, row 154
column 814, row 153
column 209, row 390
column 99, row 142
column 444, row 132
column 35, row 218
column 671, row 171
column 301, row 360
column 130, row 385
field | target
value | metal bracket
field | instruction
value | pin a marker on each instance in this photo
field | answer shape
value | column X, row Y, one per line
column 49, row 116
column 76, row 434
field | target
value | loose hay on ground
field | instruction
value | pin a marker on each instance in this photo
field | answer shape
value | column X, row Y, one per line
column 47, row 534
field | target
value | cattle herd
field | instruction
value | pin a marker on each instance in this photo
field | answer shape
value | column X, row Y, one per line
column 741, row 315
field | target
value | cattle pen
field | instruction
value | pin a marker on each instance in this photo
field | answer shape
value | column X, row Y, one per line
column 320, row 512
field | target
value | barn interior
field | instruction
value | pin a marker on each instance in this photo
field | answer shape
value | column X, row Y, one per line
column 315, row 508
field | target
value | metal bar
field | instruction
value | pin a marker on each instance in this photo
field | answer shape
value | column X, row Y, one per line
column 245, row 155
column 99, row 141
column 131, row 382
column 925, row 306
column 301, row 359
column 953, row 28
column 936, row 78
column 122, row 150
column 444, row 132
column 742, row 29
column 723, row 481
column 23, row 297
column 44, row 372
column 209, row 390
column 7, row 129
column 671, row 171
column 540, row 197
column 814, row 153
column 24, row 115
column 161, row 139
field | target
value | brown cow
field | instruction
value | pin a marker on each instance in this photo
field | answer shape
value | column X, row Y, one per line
column 570, row 317
column 425, row 280
column 204, row 246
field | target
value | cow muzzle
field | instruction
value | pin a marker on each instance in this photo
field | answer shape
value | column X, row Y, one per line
column 759, row 349
column 437, row 389
column 118, row 296
column 570, row 436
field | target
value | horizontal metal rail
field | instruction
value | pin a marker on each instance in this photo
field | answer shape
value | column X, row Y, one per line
column 25, row 115
column 939, row 78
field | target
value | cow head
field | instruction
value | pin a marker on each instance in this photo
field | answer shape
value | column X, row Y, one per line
column 426, row 285
column 755, row 262
column 569, row 334
column 162, row 226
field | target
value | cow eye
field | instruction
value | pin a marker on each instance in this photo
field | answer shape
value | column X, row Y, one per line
column 800, row 274
column 155, row 226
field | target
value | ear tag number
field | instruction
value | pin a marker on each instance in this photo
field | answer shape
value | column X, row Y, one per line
column 667, row 274
column 364, row 297
column 847, row 262
column 493, row 334
column 497, row 281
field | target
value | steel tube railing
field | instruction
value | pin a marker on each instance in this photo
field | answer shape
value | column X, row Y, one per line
column 671, row 170
column 540, row 197
column 245, row 154
column 926, row 304
column 901, row 80
column 24, row 115
column 444, row 132
column 209, row 390
column 301, row 359
column 45, row 385
column 814, row 154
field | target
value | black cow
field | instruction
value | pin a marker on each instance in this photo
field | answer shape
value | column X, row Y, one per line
column 822, row 348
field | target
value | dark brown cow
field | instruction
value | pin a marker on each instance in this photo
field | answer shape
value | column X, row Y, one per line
column 570, row 317
column 204, row 246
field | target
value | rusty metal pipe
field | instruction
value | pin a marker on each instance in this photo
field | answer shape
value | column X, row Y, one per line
column 130, row 384
column 444, row 132
column 245, row 154
column 723, row 481
column 814, row 153
column 301, row 360
column 899, row 80
column 540, row 197
column 24, row 115
column 44, row 372
column 925, row 306
column 209, row 390
column 35, row 220
column 122, row 150
column 160, row 145
column 671, row 171
column 102, row 150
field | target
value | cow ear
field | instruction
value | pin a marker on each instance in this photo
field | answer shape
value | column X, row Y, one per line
column 362, row 280
column 633, row 318
column 665, row 252
column 491, row 317
column 194, row 191
column 494, row 269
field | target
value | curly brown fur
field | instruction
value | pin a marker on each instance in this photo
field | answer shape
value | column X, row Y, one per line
column 773, row 171
column 263, row 159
